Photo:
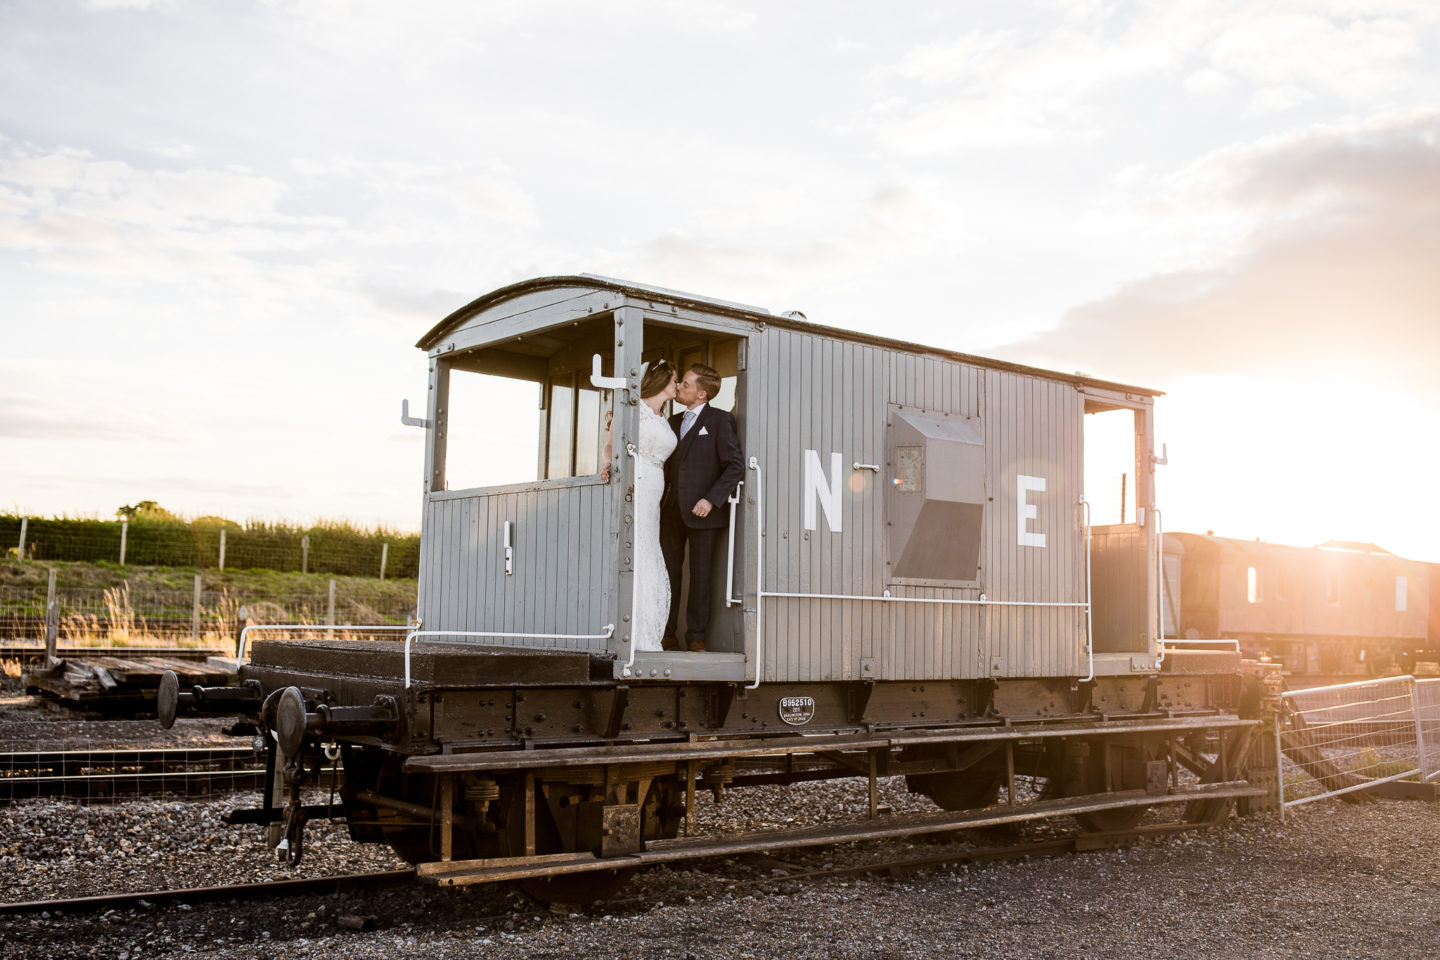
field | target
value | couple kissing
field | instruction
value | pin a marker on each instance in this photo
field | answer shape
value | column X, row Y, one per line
column 686, row 469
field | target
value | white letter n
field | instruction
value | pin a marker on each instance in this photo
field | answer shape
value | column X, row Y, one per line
column 826, row 490
column 1026, row 511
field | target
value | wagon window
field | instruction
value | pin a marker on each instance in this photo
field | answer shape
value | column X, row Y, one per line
column 491, row 425
column 492, row 431
column 574, row 430
column 1110, row 465
column 1400, row 598
column 560, row 436
column 1253, row 585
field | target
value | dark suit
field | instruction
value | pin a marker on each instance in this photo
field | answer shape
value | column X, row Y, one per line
column 706, row 465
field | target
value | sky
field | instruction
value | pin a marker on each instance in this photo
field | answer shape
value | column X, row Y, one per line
column 223, row 226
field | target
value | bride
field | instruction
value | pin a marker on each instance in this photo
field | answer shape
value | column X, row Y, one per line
column 657, row 442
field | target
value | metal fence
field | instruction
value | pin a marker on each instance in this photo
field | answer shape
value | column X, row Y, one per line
column 1353, row 736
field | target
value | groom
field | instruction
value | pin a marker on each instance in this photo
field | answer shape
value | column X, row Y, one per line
column 699, row 477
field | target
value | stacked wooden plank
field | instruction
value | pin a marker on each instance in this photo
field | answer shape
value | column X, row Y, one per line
column 98, row 679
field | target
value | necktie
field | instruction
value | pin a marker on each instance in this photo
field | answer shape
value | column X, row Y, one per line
column 686, row 422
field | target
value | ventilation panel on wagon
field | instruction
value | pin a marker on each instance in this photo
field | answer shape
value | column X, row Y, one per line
column 936, row 496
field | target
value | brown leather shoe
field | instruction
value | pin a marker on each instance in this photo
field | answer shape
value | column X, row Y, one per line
column 669, row 643
column 697, row 646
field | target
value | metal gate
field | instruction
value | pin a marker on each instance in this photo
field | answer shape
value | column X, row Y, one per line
column 1353, row 736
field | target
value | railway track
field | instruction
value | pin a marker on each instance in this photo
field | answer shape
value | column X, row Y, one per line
column 781, row 872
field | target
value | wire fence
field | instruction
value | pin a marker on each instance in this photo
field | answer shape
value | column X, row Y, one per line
column 86, row 616
column 1353, row 736
column 211, row 544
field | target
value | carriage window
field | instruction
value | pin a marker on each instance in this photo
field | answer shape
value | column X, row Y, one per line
column 1400, row 599
column 1253, row 585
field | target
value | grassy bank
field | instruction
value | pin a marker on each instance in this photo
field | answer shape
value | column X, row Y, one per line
column 107, row 603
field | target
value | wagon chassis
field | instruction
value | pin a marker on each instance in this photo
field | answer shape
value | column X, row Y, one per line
column 473, row 803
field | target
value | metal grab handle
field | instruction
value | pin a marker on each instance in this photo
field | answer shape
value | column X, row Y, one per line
column 509, row 548
column 602, row 382
column 730, row 599
column 857, row 465
column 410, row 421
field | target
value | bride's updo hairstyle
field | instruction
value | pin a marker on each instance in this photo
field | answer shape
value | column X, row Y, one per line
column 656, row 378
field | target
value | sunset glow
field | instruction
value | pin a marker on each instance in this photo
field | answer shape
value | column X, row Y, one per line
column 222, row 228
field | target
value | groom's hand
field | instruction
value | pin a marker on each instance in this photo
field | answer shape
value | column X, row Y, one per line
column 703, row 508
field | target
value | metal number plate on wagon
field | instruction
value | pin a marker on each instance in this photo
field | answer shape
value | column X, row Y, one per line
column 797, row 711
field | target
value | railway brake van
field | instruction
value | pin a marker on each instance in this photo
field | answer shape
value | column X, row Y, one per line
column 907, row 513
column 909, row 585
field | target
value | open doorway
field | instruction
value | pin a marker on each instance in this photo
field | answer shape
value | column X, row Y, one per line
column 708, row 552
column 1123, row 555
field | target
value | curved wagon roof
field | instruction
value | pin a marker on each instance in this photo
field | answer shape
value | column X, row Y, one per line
column 757, row 315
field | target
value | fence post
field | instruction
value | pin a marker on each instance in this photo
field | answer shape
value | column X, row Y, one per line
column 20, row 555
column 330, row 616
column 52, row 622
column 124, row 528
column 305, row 554
column 241, row 616
column 1420, row 753
column 222, row 549
column 384, row 555
column 195, row 611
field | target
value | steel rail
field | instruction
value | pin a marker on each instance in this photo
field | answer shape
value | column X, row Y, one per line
column 111, row 901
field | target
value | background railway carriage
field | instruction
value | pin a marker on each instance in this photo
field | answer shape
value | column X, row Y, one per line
column 905, row 590
column 1329, row 611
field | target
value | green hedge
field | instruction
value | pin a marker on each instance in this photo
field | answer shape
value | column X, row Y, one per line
column 337, row 548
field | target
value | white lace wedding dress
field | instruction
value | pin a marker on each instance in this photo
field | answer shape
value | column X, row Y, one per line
column 652, row 582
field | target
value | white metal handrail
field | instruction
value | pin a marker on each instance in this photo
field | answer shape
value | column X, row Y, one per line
column 730, row 599
column 1230, row 642
column 982, row 601
column 606, row 635
column 759, row 572
column 1089, row 599
column 293, row 627
column 1160, row 583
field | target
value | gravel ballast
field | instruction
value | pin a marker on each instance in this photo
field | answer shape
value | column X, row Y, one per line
column 1332, row 880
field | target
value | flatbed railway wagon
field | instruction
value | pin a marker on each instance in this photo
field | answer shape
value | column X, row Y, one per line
column 910, row 585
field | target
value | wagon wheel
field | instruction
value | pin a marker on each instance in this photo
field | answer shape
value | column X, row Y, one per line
column 415, row 843
column 659, row 820
column 1083, row 775
column 1380, row 662
column 959, row 790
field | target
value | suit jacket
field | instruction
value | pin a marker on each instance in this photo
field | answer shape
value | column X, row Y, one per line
column 706, row 465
